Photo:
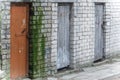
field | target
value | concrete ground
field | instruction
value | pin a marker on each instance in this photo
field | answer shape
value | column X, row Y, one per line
column 106, row 71
column 110, row 70
column 115, row 77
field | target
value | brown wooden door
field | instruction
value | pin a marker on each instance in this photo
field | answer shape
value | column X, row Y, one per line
column 19, row 42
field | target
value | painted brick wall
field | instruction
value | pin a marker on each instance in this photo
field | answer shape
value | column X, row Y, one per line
column 115, row 28
column 43, row 28
column 82, row 31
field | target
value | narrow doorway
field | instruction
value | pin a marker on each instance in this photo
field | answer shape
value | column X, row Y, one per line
column 99, row 32
column 19, row 42
column 63, row 41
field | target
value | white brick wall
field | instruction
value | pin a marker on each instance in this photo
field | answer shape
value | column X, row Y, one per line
column 115, row 28
column 82, row 33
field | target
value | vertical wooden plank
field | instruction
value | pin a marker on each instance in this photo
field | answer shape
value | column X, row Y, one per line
column 60, row 36
column 102, row 30
column 63, row 36
column 99, row 12
column 67, row 54
column 96, row 32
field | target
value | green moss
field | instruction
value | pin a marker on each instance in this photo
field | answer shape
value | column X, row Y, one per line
column 37, row 45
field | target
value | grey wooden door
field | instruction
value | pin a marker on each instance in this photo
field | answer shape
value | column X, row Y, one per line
column 99, row 12
column 63, row 52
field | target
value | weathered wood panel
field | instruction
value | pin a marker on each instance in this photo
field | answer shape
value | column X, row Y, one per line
column 63, row 36
column 99, row 12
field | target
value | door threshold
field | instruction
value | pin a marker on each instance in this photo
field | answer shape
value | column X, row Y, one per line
column 64, row 69
column 103, row 61
column 67, row 71
column 99, row 60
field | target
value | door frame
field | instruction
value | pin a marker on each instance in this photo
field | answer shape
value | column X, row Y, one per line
column 28, row 5
column 103, row 27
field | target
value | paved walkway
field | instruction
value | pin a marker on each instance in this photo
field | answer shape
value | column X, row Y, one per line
column 115, row 77
column 108, row 71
